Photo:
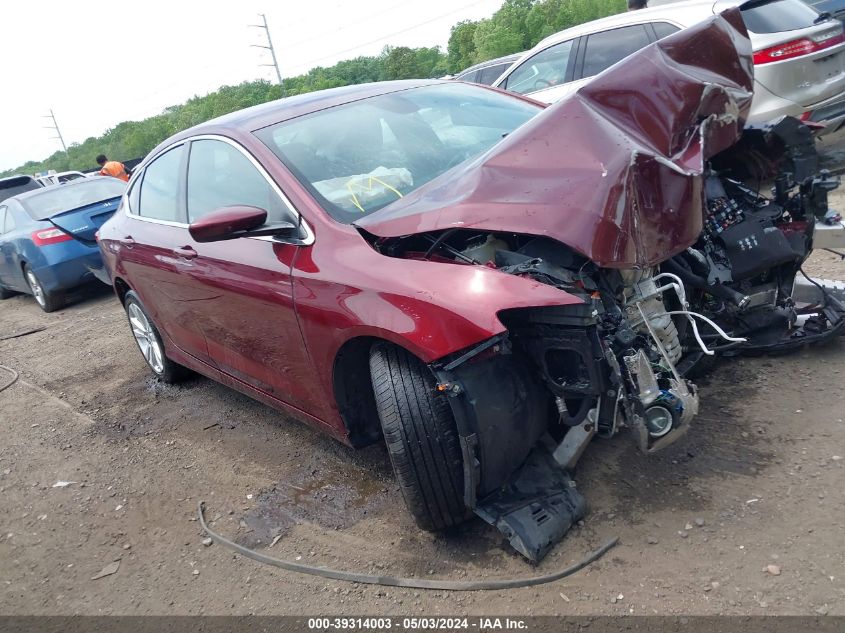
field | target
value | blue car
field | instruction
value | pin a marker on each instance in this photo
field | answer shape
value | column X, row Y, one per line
column 48, row 238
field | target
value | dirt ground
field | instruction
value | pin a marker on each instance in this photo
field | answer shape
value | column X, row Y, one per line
column 745, row 515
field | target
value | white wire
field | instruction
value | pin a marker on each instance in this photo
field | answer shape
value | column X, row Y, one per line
column 720, row 331
column 679, row 288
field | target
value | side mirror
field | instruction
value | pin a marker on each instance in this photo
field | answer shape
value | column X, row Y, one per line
column 232, row 222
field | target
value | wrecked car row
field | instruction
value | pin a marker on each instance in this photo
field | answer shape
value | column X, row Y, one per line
column 485, row 283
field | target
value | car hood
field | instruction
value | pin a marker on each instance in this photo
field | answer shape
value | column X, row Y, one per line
column 613, row 170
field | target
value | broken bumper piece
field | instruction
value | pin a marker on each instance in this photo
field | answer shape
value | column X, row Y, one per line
column 536, row 507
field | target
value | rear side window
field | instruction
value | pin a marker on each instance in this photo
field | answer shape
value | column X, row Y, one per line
column 608, row 47
column 3, row 214
column 491, row 74
column 471, row 77
column 545, row 69
column 776, row 16
column 219, row 175
column 664, row 29
column 159, row 198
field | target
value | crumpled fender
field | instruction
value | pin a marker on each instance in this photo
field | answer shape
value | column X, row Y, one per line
column 430, row 308
column 613, row 170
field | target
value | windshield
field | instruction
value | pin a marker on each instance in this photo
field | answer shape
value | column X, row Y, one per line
column 360, row 157
column 55, row 200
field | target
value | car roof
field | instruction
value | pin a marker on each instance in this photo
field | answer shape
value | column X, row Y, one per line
column 265, row 114
column 491, row 62
column 687, row 13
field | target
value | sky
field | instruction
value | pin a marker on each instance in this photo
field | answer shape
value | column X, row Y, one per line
column 96, row 64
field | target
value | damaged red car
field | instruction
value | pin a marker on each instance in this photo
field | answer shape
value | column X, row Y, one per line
column 483, row 282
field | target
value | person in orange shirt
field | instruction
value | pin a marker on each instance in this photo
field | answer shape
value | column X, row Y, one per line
column 112, row 168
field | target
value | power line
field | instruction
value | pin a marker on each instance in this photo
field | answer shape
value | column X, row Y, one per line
column 384, row 37
column 55, row 127
column 269, row 47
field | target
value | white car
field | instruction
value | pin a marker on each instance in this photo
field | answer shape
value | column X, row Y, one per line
column 799, row 55
column 58, row 178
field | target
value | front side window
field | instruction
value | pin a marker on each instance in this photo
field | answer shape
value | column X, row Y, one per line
column 219, row 175
column 359, row 157
column 545, row 69
column 608, row 47
column 159, row 193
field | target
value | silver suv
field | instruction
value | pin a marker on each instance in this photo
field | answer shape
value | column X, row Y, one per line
column 799, row 55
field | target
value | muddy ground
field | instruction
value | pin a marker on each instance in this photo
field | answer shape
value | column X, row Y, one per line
column 745, row 515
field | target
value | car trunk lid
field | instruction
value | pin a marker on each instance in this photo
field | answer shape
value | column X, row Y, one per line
column 799, row 54
column 83, row 223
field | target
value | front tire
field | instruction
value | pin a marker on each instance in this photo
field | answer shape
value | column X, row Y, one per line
column 47, row 301
column 150, row 342
column 421, row 437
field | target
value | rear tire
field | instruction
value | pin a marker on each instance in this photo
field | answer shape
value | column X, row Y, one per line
column 421, row 436
column 150, row 343
column 47, row 301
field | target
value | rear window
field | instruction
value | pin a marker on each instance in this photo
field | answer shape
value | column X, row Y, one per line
column 17, row 184
column 776, row 16
column 56, row 200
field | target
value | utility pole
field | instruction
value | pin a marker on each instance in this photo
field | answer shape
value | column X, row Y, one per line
column 55, row 128
column 269, row 47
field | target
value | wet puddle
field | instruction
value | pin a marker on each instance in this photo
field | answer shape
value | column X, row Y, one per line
column 334, row 501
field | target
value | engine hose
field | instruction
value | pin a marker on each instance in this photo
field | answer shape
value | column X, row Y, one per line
column 413, row 583
column 580, row 415
column 717, row 290
column 13, row 374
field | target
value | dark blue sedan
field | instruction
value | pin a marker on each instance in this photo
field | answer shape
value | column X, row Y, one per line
column 48, row 238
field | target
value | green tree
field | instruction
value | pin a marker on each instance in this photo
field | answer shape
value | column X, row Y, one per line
column 461, row 46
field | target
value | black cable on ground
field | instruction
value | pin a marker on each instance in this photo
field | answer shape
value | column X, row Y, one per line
column 414, row 583
column 6, row 337
column 14, row 375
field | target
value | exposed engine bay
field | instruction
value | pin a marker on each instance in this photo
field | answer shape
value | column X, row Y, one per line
column 623, row 357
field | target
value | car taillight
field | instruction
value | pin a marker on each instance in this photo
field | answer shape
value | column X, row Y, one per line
column 796, row 48
column 49, row 236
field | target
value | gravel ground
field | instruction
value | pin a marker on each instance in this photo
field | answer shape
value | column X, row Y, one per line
column 743, row 516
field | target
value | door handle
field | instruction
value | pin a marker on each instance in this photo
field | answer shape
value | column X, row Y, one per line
column 185, row 252
column 128, row 241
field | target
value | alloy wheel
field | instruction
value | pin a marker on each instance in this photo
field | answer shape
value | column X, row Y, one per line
column 146, row 338
column 35, row 286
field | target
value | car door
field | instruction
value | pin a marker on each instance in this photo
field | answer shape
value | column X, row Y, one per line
column 153, row 254
column 250, row 324
column 13, row 238
column 547, row 72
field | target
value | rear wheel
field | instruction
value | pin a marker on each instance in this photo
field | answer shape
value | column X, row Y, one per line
column 421, row 436
column 150, row 343
column 47, row 301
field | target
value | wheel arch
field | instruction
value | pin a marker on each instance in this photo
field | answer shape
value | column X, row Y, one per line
column 353, row 389
column 120, row 288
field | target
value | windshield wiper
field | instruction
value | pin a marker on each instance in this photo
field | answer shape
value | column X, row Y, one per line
column 824, row 16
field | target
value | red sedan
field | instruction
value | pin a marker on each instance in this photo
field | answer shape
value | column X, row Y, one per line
column 440, row 264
